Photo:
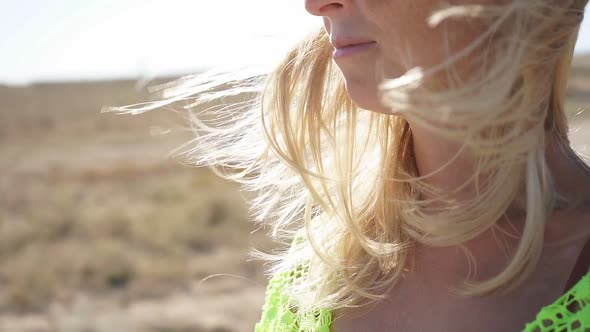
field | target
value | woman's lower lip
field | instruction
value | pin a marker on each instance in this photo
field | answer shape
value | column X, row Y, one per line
column 348, row 50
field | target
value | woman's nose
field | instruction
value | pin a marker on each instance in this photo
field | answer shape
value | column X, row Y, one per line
column 327, row 7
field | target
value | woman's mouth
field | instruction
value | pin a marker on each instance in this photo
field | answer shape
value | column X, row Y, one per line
column 343, row 51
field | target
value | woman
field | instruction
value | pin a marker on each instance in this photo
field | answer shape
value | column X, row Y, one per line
column 415, row 155
column 479, row 143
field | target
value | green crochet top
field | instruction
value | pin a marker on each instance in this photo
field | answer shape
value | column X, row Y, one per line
column 569, row 313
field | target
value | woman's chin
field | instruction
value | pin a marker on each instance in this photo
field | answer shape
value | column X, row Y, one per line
column 371, row 103
column 364, row 94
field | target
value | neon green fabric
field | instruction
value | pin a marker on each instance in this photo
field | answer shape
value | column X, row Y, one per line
column 279, row 316
column 569, row 313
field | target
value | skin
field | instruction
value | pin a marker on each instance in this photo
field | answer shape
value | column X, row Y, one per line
column 399, row 29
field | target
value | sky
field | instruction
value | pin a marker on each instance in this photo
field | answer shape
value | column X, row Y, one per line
column 43, row 40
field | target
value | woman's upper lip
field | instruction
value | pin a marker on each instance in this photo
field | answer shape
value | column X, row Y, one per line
column 342, row 42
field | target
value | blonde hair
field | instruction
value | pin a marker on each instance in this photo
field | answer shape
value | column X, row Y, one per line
column 346, row 178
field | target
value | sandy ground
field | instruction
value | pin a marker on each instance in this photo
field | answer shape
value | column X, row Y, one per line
column 228, row 298
column 225, row 304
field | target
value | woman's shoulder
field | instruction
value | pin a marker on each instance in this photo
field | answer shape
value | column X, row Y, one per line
column 572, row 309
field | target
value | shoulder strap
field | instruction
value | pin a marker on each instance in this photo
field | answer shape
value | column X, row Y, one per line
column 581, row 267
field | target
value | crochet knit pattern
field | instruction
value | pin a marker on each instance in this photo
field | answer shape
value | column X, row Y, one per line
column 278, row 314
column 569, row 313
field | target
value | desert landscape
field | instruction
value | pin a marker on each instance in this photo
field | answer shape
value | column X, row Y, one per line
column 100, row 230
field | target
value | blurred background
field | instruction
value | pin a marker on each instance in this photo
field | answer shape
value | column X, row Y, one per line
column 99, row 229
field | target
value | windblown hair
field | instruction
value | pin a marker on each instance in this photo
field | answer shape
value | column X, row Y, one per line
column 346, row 178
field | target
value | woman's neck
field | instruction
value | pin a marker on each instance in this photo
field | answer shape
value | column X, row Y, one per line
column 443, row 162
column 446, row 165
